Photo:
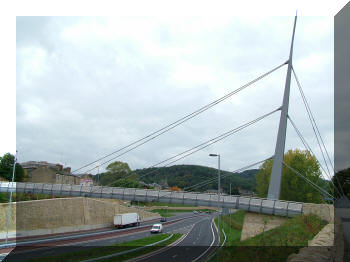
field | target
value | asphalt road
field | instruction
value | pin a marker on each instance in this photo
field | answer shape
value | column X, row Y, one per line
column 179, row 227
column 194, row 247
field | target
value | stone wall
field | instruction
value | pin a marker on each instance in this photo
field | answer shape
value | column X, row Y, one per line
column 324, row 211
column 255, row 224
column 324, row 246
column 46, row 174
column 63, row 214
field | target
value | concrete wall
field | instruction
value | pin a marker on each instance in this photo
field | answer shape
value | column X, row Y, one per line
column 63, row 214
column 3, row 217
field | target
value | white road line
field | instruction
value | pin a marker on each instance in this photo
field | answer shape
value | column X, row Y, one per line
column 212, row 231
column 167, row 247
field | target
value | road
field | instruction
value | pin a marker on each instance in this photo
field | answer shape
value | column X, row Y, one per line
column 54, row 246
column 197, row 244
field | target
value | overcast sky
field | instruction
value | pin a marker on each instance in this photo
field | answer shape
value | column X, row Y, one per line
column 87, row 86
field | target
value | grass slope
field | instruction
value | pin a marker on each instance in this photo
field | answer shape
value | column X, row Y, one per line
column 233, row 232
column 170, row 212
column 107, row 250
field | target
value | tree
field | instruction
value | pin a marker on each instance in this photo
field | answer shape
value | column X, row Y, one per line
column 175, row 188
column 341, row 181
column 6, row 168
column 118, row 171
column 293, row 187
column 129, row 183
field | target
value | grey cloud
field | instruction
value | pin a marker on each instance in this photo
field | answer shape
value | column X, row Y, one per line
column 97, row 94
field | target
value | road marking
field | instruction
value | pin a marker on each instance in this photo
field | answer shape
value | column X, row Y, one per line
column 175, row 255
column 211, row 226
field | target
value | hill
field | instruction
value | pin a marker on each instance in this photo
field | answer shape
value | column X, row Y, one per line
column 184, row 176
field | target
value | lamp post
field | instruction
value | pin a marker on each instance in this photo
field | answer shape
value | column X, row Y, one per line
column 230, row 212
column 10, row 204
column 98, row 173
column 217, row 155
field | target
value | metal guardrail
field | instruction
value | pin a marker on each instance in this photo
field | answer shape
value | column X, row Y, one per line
column 252, row 204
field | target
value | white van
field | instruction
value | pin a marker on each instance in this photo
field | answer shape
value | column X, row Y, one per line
column 157, row 228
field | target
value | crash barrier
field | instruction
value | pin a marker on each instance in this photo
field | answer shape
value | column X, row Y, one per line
column 251, row 204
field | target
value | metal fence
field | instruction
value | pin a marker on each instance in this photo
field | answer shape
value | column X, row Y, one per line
column 252, row 204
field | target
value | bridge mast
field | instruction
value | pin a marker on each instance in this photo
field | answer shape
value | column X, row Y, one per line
column 276, row 173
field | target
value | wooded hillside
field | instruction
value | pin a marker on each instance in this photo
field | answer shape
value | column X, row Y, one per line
column 184, row 176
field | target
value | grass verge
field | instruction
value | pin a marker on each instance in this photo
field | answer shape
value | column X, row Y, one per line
column 170, row 212
column 232, row 226
column 150, row 204
column 107, row 250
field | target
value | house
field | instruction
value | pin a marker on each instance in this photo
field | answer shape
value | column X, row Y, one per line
column 86, row 179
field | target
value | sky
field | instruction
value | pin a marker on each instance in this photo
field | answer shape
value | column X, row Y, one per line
column 89, row 85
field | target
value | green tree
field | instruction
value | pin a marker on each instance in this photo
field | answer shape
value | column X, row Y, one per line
column 129, row 183
column 293, row 187
column 118, row 171
column 6, row 168
column 341, row 180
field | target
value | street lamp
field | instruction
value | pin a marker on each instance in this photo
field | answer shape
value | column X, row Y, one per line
column 217, row 155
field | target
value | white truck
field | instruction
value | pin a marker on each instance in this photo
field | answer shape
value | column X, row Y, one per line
column 127, row 219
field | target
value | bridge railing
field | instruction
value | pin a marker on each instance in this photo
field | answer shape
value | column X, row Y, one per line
column 252, row 204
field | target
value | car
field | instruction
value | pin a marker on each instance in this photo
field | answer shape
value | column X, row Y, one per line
column 195, row 212
column 157, row 228
column 162, row 219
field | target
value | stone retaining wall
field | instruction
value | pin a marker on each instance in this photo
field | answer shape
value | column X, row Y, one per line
column 58, row 215
column 324, row 246
column 324, row 211
column 255, row 224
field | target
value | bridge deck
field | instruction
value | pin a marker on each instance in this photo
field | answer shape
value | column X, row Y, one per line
column 252, row 204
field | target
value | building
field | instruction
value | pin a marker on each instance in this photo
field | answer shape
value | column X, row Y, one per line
column 86, row 179
column 31, row 165
column 44, row 172
column 244, row 192
column 214, row 191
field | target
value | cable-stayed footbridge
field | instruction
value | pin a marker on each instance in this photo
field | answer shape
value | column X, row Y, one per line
column 271, row 205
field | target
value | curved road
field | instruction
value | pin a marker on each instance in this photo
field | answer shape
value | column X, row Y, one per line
column 196, row 246
column 198, row 223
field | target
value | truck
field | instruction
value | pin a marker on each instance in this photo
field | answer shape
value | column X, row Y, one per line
column 127, row 219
